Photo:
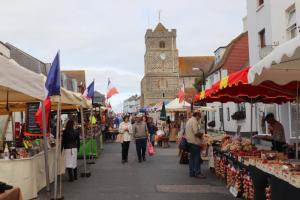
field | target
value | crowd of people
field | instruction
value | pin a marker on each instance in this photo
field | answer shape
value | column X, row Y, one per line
column 141, row 129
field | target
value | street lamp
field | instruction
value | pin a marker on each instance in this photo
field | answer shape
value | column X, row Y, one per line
column 203, row 88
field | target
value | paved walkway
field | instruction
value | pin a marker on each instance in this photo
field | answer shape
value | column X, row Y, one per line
column 160, row 177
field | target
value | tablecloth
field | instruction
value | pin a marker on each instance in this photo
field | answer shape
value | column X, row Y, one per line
column 29, row 174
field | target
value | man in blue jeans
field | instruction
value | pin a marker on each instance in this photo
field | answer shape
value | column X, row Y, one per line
column 194, row 139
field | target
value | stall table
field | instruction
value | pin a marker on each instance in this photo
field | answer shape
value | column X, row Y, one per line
column 91, row 147
column 29, row 174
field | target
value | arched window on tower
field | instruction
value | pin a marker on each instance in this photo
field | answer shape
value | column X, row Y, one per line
column 162, row 44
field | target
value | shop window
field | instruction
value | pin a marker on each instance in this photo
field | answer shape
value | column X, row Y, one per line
column 293, row 120
column 291, row 22
column 241, row 107
column 262, row 38
column 162, row 44
column 221, row 115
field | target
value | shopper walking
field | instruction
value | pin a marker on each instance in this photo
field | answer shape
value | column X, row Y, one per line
column 125, row 129
column 71, row 145
column 194, row 139
column 140, row 134
column 152, row 130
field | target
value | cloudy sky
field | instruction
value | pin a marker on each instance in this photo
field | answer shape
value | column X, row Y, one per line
column 106, row 37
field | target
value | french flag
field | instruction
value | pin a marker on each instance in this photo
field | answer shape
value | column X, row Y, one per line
column 181, row 94
column 111, row 90
column 89, row 91
column 52, row 87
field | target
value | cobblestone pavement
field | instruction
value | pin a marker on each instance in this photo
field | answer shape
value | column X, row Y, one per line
column 160, row 177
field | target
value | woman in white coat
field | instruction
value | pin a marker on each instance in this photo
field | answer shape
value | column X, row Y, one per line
column 125, row 128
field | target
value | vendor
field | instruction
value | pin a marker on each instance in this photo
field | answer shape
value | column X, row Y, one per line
column 71, row 145
column 277, row 131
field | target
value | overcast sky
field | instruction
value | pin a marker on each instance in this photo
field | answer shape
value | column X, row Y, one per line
column 106, row 38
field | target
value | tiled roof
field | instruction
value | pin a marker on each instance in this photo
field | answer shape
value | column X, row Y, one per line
column 236, row 55
column 186, row 65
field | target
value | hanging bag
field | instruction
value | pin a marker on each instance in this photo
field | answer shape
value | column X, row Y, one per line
column 150, row 148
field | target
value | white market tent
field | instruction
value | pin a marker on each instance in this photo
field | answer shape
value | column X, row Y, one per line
column 281, row 66
column 18, row 84
column 175, row 106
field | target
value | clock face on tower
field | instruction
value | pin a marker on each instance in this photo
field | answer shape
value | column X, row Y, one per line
column 163, row 56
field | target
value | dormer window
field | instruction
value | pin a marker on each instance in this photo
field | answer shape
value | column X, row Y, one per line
column 162, row 44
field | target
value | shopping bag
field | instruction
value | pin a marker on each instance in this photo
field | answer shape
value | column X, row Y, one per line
column 120, row 138
column 150, row 149
column 183, row 144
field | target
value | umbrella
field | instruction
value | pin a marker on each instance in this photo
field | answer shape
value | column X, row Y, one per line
column 163, row 114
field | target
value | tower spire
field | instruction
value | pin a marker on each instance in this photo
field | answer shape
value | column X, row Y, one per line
column 159, row 13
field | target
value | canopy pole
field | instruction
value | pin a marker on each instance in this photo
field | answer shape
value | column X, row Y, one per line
column 297, row 124
column 45, row 146
column 85, row 174
column 92, row 134
column 251, row 121
column 57, row 148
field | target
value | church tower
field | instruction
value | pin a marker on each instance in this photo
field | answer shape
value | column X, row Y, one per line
column 161, row 69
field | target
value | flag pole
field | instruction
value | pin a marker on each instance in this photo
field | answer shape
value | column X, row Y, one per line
column 86, row 173
column 45, row 146
column 92, row 158
column 57, row 142
column 57, row 148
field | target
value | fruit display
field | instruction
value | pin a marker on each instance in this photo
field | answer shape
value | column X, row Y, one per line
column 220, row 167
column 235, row 144
column 248, row 189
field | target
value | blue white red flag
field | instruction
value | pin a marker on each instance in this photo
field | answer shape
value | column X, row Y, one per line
column 52, row 86
column 89, row 92
column 53, row 79
column 111, row 90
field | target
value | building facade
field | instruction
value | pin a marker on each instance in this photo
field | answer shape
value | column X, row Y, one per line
column 132, row 105
column 270, row 24
column 165, row 71
column 160, row 81
column 228, row 59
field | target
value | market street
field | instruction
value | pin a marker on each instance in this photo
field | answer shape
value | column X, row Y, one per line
column 160, row 177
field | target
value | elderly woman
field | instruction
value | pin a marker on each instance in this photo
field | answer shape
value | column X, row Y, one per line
column 125, row 128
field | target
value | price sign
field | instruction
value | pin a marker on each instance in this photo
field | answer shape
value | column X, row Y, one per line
column 234, row 191
column 31, row 125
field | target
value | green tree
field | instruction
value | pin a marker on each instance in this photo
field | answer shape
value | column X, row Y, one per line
column 198, row 84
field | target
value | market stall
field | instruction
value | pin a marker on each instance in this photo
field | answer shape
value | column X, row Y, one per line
column 252, row 171
column 29, row 173
column 19, row 87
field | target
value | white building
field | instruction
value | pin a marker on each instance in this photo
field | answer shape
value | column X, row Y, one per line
column 132, row 105
column 228, row 59
column 271, row 23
